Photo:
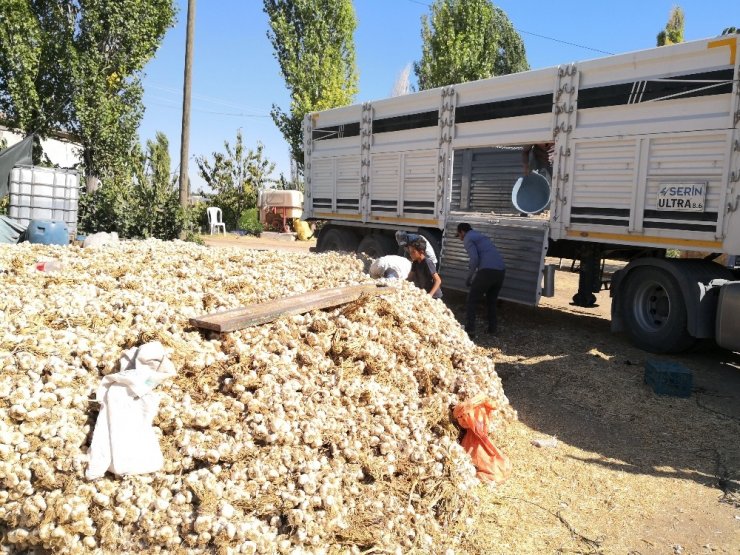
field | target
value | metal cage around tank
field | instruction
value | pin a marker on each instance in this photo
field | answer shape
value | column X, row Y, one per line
column 49, row 194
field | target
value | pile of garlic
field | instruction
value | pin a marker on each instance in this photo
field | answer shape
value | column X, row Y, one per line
column 323, row 432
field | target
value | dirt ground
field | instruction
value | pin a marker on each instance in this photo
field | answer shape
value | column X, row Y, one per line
column 633, row 472
column 268, row 241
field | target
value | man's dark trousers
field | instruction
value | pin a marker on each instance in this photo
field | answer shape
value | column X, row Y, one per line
column 486, row 282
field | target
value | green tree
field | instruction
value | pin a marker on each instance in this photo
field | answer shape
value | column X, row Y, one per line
column 147, row 205
column 155, row 192
column 76, row 65
column 673, row 32
column 110, row 208
column 314, row 45
column 466, row 40
column 35, row 89
column 284, row 183
column 235, row 176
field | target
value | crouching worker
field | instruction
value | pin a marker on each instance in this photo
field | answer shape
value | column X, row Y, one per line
column 423, row 272
column 391, row 267
column 303, row 230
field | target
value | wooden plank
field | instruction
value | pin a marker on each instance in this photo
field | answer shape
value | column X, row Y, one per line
column 261, row 313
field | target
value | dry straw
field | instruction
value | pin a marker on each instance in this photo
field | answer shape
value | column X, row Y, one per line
column 325, row 430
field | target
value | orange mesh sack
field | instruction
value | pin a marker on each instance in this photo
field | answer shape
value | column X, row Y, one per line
column 474, row 416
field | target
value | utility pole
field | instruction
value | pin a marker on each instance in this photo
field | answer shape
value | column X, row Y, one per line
column 185, row 136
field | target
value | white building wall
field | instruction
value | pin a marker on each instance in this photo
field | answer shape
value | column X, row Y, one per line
column 63, row 153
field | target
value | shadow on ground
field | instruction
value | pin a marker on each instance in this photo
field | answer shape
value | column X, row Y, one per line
column 568, row 376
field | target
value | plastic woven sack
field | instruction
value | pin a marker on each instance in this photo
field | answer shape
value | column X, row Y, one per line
column 474, row 416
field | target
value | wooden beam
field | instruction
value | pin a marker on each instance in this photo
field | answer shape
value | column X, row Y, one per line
column 261, row 313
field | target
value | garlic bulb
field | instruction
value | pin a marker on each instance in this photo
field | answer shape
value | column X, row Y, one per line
column 315, row 433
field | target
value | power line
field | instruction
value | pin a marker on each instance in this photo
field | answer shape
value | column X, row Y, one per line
column 563, row 41
column 239, row 114
column 169, row 101
column 208, row 99
column 533, row 34
column 173, row 103
column 234, row 114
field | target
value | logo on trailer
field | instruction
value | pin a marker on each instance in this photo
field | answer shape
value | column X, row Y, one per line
column 685, row 197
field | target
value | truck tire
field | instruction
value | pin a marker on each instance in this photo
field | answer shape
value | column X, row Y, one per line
column 654, row 311
column 337, row 239
column 376, row 246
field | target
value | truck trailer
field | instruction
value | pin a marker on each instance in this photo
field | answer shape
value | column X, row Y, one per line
column 645, row 166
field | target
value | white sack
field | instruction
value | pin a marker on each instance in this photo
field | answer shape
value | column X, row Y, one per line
column 124, row 441
column 400, row 265
column 99, row 239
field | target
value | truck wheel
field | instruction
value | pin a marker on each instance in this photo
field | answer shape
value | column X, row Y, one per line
column 335, row 239
column 654, row 312
column 376, row 246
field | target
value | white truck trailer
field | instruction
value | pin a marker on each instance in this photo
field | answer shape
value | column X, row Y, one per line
column 647, row 160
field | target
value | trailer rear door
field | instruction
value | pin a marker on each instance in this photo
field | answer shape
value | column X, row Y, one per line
column 521, row 241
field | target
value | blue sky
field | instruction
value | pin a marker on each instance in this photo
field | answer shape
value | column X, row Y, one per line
column 236, row 78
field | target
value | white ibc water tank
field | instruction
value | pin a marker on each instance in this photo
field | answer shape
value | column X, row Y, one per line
column 272, row 197
column 44, row 194
column 287, row 203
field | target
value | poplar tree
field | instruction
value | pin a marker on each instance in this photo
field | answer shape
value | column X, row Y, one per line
column 156, row 198
column 673, row 32
column 466, row 40
column 76, row 66
column 314, row 45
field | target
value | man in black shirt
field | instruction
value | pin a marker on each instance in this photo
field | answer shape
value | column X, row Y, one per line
column 423, row 271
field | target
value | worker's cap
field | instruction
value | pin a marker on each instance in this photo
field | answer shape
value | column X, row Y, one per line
column 402, row 238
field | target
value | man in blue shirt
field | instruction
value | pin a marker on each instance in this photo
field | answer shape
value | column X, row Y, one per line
column 485, row 277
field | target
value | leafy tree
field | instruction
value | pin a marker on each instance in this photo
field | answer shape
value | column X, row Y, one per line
column 287, row 184
column 466, row 40
column 673, row 32
column 146, row 205
column 35, row 58
column 155, row 191
column 314, row 45
column 75, row 65
column 235, row 176
column 112, row 207
column 250, row 221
